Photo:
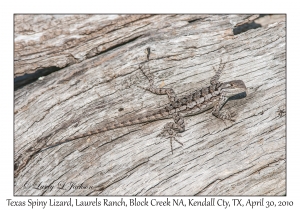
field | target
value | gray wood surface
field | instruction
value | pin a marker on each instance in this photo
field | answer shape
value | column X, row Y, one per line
column 97, row 57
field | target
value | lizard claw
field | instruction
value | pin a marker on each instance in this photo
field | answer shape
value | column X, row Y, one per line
column 175, row 139
column 172, row 135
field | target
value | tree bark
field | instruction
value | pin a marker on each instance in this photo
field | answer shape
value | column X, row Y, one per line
column 75, row 72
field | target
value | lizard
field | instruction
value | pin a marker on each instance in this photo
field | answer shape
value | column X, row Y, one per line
column 212, row 97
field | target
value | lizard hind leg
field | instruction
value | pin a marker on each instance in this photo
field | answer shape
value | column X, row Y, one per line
column 151, row 88
column 172, row 129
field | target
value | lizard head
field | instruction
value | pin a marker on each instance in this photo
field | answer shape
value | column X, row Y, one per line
column 233, row 88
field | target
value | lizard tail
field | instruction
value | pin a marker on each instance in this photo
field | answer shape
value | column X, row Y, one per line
column 138, row 119
column 148, row 117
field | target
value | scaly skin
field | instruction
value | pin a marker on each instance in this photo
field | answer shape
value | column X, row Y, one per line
column 213, row 96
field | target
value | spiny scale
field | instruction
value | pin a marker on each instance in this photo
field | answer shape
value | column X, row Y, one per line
column 214, row 96
column 198, row 101
column 142, row 118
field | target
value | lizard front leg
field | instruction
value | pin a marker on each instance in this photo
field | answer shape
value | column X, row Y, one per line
column 225, row 114
column 215, row 79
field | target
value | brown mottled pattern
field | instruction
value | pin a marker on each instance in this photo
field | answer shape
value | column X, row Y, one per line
column 213, row 96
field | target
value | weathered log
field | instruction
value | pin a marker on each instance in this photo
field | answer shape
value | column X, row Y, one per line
column 93, row 63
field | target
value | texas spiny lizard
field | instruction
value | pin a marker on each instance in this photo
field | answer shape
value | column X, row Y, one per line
column 213, row 96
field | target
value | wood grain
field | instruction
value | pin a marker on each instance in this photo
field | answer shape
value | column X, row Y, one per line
column 97, row 57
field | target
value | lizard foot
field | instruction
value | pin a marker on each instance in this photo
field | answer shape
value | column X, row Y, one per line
column 171, row 134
